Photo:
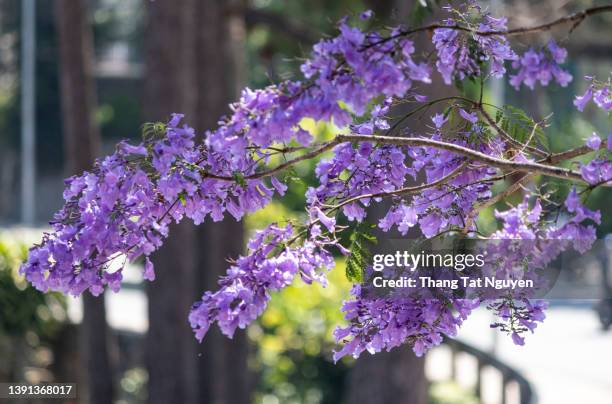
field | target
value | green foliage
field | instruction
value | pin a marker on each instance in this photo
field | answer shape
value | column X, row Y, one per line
column 361, row 240
column 521, row 127
column 294, row 341
column 153, row 130
column 23, row 308
column 239, row 178
column 421, row 10
column 450, row 393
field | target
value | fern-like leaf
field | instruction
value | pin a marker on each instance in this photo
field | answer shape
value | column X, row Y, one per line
column 360, row 254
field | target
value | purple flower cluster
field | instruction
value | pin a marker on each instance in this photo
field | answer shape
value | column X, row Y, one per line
column 462, row 54
column 542, row 66
column 356, row 67
column 385, row 323
column 599, row 94
column 516, row 316
column 377, row 323
column 523, row 246
column 245, row 290
column 370, row 170
column 122, row 208
column 524, row 223
column 447, row 206
column 597, row 171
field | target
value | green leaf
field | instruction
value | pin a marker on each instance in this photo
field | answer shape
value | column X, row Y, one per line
column 153, row 130
column 239, row 178
column 419, row 12
column 520, row 126
column 361, row 241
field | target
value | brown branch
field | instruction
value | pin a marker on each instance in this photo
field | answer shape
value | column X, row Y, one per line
column 493, row 200
column 570, row 154
column 306, row 156
column 575, row 19
column 530, row 167
column 502, row 133
column 504, row 164
column 508, row 165
column 572, row 18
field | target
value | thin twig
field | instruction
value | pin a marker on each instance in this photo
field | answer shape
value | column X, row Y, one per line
column 403, row 191
column 507, row 136
column 493, row 200
column 569, row 154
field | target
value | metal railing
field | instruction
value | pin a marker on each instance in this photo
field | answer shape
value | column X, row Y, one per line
column 483, row 359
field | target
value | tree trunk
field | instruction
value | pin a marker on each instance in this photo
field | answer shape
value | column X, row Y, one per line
column 81, row 145
column 170, row 346
column 191, row 68
column 396, row 377
column 223, row 362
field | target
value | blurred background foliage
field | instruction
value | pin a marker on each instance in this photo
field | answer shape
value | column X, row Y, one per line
column 25, row 309
column 29, row 319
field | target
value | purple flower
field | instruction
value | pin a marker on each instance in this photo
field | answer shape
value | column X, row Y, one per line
column 581, row 101
column 517, row 339
column 471, row 117
column 366, row 15
column 603, row 98
column 461, row 55
column 131, row 149
column 542, row 66
column 599, row 93
column 597, row 171
column 431, row 224
column 328, row 222
column 594, row 142
column 279, row 186
column 438, row 120
column 149, row 273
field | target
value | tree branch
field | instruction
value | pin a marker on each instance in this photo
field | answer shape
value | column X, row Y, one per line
column 529, row 167
column 306, row 156
column 507, row 137
column 493, row 200
column 570, row 154
column 507, row 165
column 575, row 19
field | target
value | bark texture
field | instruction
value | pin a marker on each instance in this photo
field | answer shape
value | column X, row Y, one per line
column 194, row 66
column 81, row 146
column 169, row 88
column 396, row 377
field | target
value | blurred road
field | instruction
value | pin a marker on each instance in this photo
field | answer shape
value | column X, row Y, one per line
column 568, row 359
